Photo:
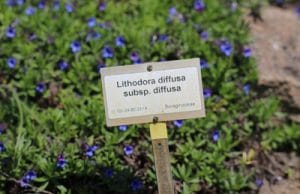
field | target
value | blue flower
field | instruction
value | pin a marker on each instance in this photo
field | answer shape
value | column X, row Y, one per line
column 90, row 150
column 10, row 32
column 259, row 182
column 20, row 2
column 2, row 147
column 11, row 62
column 136, row 185
column 61, row 161
column 163, row 37
column 63, row 65
column 30, row 175
column 107, row 52
column 109, row 172
column 89, row 153
column 56, row 5
column 14, row 2
column 40, row 87
column 172, row 11
column 92, row 22
column 102, row 6
column 100, row 66
column 10, row 3
column 94, row 148
column 128, row 149
column 27, row 178
column 298, row 11
column 92, row 36
column 204, row 35
column 247, row 88
column 207, row 93
column 42, row 4
column 2, row 130
column 123, row 127
column 178, row 123
column 69, row 7
column 226, row 48
column 32, row 37
column 199, row 5
column 120, row 41
column 247, row 52
column 203, row 64
column 29, row 10
column 216, row 135
column 173, row 14
column 75, row 46
column 135, row 58
column 234, row 6
column 24, row 183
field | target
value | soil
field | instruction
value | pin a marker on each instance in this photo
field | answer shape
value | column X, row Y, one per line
column 276, row 47
column 282, row 173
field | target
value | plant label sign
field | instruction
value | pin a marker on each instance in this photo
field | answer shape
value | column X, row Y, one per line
column 165, row 91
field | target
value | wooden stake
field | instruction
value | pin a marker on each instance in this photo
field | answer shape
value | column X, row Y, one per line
column 159, row 138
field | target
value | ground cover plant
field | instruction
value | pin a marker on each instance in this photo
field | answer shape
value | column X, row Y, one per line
column 53, row 137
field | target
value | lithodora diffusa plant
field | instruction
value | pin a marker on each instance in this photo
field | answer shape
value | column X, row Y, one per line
column 53, row 137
